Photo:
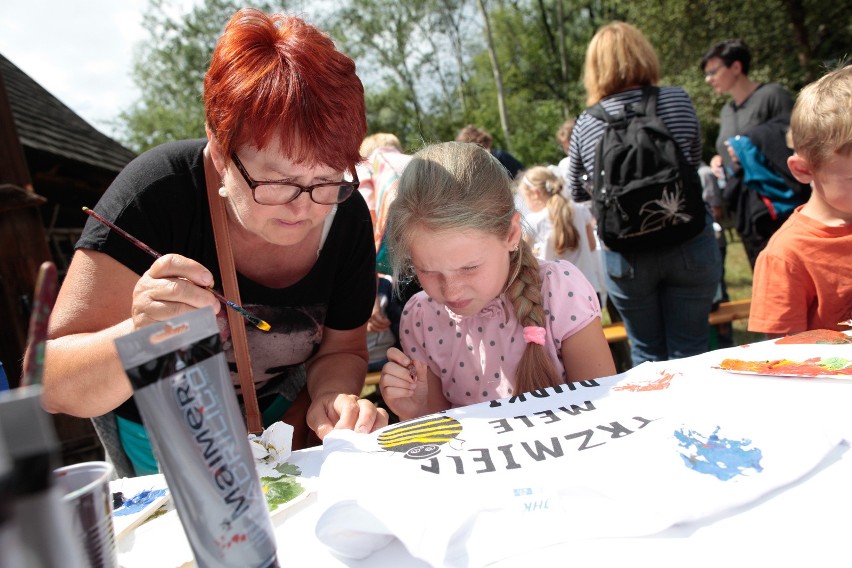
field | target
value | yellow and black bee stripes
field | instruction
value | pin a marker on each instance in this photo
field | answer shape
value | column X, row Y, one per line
column 421, row 437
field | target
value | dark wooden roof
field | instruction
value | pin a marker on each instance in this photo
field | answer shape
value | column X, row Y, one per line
column 45, row 124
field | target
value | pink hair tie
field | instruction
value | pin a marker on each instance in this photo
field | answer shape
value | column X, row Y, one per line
column 534, row 334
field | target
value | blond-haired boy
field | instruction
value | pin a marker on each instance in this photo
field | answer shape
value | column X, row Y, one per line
column 803, row 279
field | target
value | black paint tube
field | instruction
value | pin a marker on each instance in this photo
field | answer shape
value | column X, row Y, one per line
column 184, row 393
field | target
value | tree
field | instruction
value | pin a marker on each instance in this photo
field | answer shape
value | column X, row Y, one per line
column 169, row 71
column 429, row 67
column 384, row 33
column 498, row 76
column 791, row 42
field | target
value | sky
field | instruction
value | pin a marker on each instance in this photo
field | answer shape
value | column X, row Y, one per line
column 81, row 51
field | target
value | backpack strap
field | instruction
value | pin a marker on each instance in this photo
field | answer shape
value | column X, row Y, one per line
column 648, row 105
column 599, row 112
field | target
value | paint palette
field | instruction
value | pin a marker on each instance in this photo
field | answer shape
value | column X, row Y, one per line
column 140, row 497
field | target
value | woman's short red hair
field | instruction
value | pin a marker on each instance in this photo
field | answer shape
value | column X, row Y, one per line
column 278, row 75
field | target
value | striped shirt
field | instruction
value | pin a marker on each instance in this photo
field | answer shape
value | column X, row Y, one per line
column 674, row 107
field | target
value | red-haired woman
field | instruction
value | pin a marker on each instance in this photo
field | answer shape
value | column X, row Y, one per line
column 285, row 117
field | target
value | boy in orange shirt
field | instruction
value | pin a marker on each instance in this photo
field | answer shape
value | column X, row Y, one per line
column 803, row 279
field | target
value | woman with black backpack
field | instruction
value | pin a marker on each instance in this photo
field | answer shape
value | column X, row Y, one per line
column 640, row 145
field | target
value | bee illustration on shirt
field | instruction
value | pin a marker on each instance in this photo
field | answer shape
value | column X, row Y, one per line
column 420, row 438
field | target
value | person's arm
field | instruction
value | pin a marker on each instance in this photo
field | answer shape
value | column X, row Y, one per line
column 586, row 354
column 579, row 188
column 100, row 300
column 335, row 378
column 590, row 234
column 378, row 321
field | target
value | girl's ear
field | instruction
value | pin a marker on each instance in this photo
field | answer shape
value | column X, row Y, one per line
column 515, row 232
column 800, row 168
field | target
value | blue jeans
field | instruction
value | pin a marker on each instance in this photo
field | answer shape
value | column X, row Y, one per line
column 665, row 296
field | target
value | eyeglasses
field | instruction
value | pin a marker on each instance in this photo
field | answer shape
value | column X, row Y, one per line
column 279, row 192
column 712, row 72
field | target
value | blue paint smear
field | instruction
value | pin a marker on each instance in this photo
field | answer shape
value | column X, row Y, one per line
column 138, row 502
column 720, row 457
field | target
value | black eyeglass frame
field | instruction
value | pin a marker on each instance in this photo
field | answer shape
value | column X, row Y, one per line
column 253, row 184
column 712, row 72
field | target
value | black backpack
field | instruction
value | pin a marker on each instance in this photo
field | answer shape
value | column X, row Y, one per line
column 646, row 195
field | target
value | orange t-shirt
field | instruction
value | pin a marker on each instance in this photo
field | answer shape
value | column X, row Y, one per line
column 803, row 278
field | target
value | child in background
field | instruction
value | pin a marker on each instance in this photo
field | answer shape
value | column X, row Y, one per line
column 492, row 320
column 379, row 174
column 560, row 229
column 802, row 279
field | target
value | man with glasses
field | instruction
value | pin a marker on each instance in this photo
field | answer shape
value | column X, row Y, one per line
column 726, row 66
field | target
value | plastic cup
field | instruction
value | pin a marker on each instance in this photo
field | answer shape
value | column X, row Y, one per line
column 85, row 489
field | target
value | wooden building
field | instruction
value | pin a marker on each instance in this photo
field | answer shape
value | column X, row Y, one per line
column 52, row 163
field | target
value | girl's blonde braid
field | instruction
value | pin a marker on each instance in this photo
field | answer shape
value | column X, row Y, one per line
column 535, row 369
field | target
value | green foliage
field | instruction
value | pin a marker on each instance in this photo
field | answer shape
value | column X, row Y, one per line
column 774, row 30
column 169, row 71
column 408, row 54
column 426, row 72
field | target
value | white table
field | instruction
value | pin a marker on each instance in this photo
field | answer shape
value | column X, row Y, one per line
column 808, row 523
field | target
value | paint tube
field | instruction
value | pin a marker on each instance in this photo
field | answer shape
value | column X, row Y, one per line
column 40, row 520
column 184, row 393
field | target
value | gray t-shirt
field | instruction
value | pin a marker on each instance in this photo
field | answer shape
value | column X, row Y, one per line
column 766, row 102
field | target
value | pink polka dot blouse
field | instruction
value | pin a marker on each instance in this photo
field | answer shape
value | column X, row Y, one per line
column 476, row 356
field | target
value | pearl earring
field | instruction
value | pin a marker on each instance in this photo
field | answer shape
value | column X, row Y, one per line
column 223, row 192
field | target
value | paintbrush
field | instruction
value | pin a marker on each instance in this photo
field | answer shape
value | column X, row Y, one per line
column 253, row 319
column 43, row 300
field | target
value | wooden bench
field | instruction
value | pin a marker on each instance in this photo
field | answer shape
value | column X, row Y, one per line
column 725, row 313
column 373, row 378
column 615, row 332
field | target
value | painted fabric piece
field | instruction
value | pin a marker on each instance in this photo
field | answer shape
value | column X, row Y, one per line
column 812, row 367
column 803, row 361
column 628, row 455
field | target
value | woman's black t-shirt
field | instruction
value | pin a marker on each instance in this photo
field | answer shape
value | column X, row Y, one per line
column 161, row 199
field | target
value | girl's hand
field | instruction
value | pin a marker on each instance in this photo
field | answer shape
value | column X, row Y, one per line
column 378, row 320
column 173, row 285
column 340, row 411
column 404, row 385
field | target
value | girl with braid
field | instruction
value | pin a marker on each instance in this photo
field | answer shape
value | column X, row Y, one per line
column 558, row 228
column 492, row 321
